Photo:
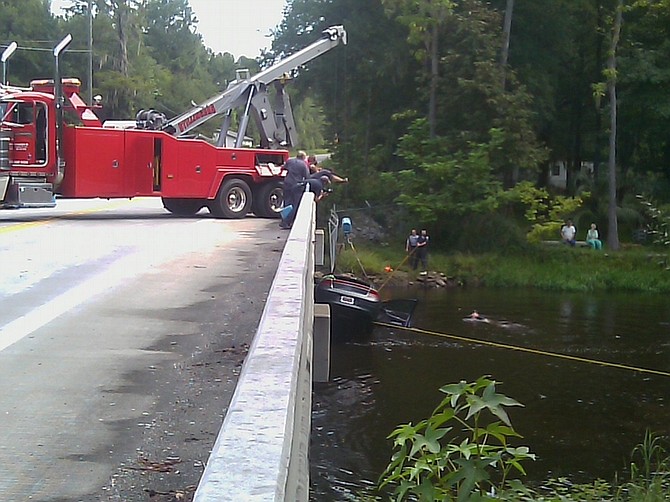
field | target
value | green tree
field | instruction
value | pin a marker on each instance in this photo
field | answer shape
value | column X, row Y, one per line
column 507, row 33
column 643, row 60
column 610, row 86
column 555, row 54
column 613, row 231
column 360, row 86
column 30, row 24
column 425, row 19
column 440, row 184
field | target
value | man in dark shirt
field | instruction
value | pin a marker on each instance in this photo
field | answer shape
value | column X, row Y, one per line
column 296, row 172
column 422, row 251
column 314, row 185
column 318, row 187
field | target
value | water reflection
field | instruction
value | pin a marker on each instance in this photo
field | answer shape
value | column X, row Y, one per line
column 582, row 420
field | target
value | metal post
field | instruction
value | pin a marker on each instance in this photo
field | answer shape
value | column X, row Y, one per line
column 90, row 52
column 242, row 130
column 58, row 98
column 5, row 56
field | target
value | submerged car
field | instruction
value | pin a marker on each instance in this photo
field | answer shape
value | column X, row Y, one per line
column 355, row 305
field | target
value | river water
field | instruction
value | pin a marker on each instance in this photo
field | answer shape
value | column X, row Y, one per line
column 582, row 420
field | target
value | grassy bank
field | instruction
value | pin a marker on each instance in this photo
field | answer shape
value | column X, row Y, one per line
column 546, row 267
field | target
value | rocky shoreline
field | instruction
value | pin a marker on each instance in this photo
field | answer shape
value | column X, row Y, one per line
column 400, row 279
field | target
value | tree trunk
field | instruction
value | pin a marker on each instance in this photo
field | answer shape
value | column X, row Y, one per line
column 434, row 66
column 598, row 112
column 613, row 230
column 121, row 25
column 507, row 30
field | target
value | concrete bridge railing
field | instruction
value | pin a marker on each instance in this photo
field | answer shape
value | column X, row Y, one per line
column 261, row 451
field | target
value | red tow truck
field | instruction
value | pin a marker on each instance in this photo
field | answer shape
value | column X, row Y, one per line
column 53, row 143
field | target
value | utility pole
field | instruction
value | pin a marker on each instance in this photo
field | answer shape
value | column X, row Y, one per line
column 90, row 52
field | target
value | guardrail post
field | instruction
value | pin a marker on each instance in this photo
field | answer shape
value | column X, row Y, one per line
column 319, row 247
column 321, row 369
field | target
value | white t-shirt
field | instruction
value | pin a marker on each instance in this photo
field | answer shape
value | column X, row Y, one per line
column 568, row 232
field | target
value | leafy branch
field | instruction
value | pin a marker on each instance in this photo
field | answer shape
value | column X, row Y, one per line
column 457, row 453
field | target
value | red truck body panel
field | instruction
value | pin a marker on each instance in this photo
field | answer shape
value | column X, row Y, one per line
column 120, row 163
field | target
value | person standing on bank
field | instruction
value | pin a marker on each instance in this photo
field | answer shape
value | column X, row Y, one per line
column 592, row 237
column 422, row 250
column 296, row 172
column 410, row 249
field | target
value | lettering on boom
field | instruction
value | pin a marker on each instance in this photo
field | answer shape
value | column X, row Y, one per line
column 205, row 112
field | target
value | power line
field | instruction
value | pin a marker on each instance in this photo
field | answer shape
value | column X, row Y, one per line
column 42, row 49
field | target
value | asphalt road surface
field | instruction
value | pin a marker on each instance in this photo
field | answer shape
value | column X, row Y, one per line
column 122, row 333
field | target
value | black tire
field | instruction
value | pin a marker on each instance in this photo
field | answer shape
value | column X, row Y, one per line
column 183, row 207
column 269, row 200
column 233, row 200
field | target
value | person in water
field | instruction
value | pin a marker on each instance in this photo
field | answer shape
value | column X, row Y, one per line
column 476, row 316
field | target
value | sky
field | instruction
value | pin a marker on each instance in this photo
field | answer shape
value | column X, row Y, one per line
column 240, row 27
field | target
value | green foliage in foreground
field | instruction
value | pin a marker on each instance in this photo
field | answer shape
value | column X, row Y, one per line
column 462, row 453
column 549, row 267
column 455, row 453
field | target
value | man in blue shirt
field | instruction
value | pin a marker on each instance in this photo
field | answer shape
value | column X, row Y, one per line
column 296, row 172
column 410, row 249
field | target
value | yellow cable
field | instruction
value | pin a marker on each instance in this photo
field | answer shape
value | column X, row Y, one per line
column 357, row 258
column 526, row 349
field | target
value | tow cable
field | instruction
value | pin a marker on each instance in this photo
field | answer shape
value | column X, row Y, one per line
column 349, row 241
column 524, row 349
column 392, row 273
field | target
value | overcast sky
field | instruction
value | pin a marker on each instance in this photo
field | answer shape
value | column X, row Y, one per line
column 240, row 27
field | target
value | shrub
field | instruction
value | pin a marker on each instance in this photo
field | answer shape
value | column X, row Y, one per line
column 456, row 454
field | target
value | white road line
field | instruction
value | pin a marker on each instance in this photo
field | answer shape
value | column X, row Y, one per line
column 171, row 244
column 29, row 323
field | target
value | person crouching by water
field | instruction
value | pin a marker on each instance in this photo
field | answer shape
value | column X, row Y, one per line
column 410, row 249
column 592, row 237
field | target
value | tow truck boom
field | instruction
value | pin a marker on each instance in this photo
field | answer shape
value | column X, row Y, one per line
column 275, row 125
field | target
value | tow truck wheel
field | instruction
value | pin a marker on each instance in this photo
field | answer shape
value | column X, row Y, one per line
column 233, row 200
column 269, row 200
column 183, row 207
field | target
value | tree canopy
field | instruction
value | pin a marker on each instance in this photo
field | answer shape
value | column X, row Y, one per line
column 438, row 107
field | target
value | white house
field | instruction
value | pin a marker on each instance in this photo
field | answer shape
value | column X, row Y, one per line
column 558, row 174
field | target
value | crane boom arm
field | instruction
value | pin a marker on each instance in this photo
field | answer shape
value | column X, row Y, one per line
column 245, row 92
